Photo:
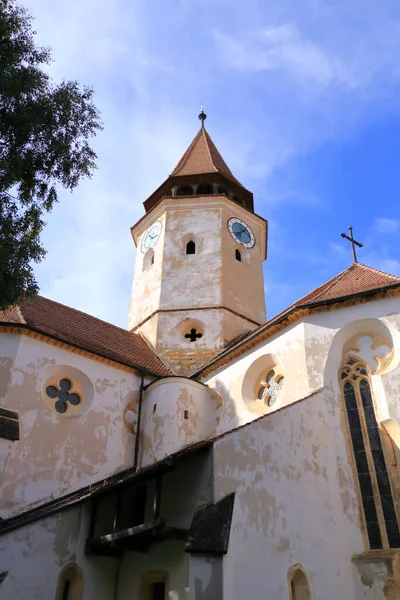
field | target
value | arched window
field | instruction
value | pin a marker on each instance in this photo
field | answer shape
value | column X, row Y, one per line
column 70, row 583
column 191, row 247
column 238, row 256
column 185, row 190
column 148, row 259
column 205, row 188
column 372, row 473
column 299, row 585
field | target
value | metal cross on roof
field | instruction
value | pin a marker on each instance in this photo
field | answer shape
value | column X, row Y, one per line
column 352, row 241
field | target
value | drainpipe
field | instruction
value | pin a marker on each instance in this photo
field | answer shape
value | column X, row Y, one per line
column 139, row 418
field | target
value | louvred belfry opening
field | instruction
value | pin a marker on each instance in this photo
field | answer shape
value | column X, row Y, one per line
column 202, row 171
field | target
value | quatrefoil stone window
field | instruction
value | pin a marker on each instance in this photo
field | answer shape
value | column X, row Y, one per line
column 63, row 395
column 270, row 388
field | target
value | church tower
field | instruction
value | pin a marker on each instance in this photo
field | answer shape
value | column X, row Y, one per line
column 198, row 283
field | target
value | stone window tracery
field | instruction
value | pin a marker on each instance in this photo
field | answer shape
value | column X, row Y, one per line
column 63, row 395
column 193, row 335
column 372, row 473
column 270, row 387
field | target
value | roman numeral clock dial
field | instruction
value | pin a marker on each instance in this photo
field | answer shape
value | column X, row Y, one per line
column 241, row 232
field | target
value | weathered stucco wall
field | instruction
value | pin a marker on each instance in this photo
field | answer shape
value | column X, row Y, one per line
column 301, row 354
column 176, row 413
column 35, row 555
column 205, row 281
column 146, row 290
column 58, row 453
column 295, row 503
column 243, row 282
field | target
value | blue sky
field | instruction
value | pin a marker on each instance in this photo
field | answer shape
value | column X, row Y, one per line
column 302, row 101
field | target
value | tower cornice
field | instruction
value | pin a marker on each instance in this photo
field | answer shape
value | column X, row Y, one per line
column 187, row 202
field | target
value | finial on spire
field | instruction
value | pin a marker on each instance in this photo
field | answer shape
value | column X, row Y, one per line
column 202, row 115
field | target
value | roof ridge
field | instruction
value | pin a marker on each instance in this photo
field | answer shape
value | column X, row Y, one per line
column 208, row 139
column 185, row 156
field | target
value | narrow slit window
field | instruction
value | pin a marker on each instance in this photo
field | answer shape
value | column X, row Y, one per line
column 157, row 590
column 191, row 247
column 65, row 593
column 186, row 414
column 238, row 256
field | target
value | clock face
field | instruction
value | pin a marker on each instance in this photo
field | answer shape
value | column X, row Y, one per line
column 241, row 232
column 151, row 236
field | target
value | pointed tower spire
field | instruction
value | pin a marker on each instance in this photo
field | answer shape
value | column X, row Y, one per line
column 202, row 167
column 202, row 157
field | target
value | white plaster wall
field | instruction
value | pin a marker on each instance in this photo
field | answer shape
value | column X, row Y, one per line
column 210, row 277
column 146, row 290
column 285, row 350
column 243, row 282
column 34, row 556
column 302, row 351
column 192, row 279
column 206, row 578
column 58, row 454
column 165, row 430
column 295, row 503
column 174, row 325
column 166, row 556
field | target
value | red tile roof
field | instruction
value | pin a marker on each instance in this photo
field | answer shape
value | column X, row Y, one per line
column 356, row 280
column 86, row 332
column 202, row 157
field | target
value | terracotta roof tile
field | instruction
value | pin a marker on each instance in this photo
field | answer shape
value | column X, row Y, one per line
column 202, row 157
column 357, row 278
column 87, row 332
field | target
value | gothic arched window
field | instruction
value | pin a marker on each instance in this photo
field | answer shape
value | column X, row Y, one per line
column 191, row 247
column 372, row 473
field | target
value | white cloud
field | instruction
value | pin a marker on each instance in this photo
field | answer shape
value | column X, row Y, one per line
column 276, row 88
column 284, row 48
column 385, row 225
